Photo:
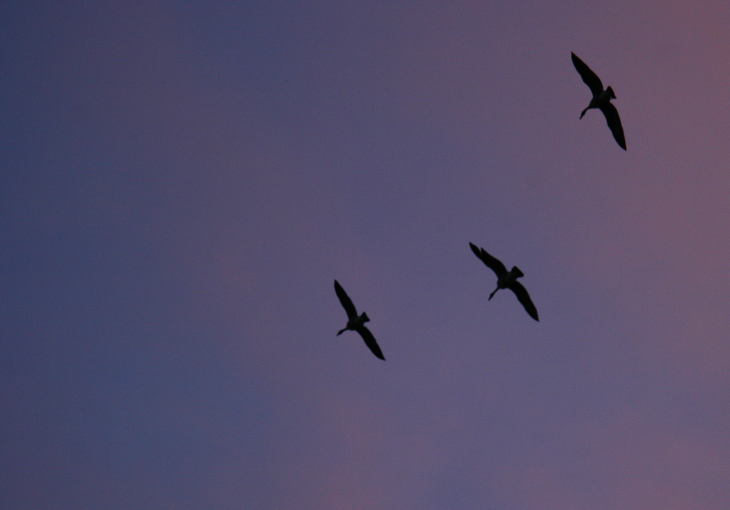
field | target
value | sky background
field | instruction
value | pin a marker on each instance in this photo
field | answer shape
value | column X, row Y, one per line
column 182, row 182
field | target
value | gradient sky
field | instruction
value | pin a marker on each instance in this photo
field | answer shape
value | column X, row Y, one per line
column 183, row 181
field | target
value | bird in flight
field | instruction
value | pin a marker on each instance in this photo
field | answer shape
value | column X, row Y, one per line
column 506, row 279
column 601, row 99
column 357, row 322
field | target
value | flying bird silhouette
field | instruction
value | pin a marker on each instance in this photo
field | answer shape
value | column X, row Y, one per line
column 506, row 279
column 357, row 322
column 601, row 99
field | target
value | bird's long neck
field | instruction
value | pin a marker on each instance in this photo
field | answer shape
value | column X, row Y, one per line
column 493, row 293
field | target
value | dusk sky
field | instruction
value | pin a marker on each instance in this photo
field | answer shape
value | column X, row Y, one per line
column 182, row 182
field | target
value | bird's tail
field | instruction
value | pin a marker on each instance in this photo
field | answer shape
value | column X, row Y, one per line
column 493, row 293
column 341, row 331
column 610, row 93
column 584, row 112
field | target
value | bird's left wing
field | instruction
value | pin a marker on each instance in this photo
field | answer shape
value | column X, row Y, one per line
column 589, row 77
column 490, row 261
column 345, row 301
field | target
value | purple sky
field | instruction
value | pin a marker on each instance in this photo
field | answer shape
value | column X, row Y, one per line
column 183, row 181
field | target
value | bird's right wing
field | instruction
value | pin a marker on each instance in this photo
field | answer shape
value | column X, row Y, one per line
column 370, row 342
column 345, row 301
column 589, row 77
column 491, row 262
column 524, row 298
column 614, row 123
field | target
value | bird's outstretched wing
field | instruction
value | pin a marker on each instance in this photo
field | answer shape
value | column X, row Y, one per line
column 589, row 77
column 491, row 262
column 614, row 123
column 370, row 342
column 345, row 301
column 524, row 298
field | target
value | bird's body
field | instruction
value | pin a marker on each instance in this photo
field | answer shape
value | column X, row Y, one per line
column 601, row 99
column 506, row 279
column 356, row 322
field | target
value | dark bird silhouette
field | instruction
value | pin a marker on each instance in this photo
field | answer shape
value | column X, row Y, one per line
column 506, row 279
column 601, row 99
column 357, row 322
